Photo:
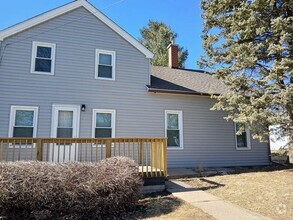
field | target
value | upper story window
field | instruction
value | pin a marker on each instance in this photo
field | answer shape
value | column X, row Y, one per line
column 43, row 58
column 174, row 129
column 242, row 140
column 105, row 64
column 23, row 121
column 103, row 123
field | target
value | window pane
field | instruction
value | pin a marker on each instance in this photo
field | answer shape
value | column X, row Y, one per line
column 103, row 132
column 22, row 132
column 105, row 59
column 172, row 120
column 65, row 119
column 242, row 140
column 103, row 120
column 64, row 132
column 44, row 52
column 43, row 65
column 24, row 118
column 105, row 71
column 173, row 138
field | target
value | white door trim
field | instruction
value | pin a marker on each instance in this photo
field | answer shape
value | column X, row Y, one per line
column 63, row 150
column 76, row 122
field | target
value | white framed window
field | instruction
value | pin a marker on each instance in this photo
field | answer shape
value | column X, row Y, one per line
column 105, row 64
column 243, row 141
column 43, row 58
column 103, row 123
column 23, row 121
column 174, row 129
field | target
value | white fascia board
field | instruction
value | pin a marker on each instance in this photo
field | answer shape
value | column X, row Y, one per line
column 117, row 29
column 38, row 19
column 67, row 8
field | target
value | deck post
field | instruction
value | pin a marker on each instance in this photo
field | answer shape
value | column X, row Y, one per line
column 108, row 148
column 165, row 156
column 39, row 149
column 141, row 153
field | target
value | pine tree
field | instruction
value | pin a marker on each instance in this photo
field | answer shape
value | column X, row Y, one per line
column 156, row 37
column 249, row 45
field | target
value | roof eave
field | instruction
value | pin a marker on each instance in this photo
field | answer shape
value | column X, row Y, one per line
column 67, row 8
column 155, row 90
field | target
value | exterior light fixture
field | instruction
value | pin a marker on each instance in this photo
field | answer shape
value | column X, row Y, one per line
column 83, row 107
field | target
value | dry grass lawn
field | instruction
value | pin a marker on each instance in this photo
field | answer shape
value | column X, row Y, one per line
column 266, row 190
column 165, row 206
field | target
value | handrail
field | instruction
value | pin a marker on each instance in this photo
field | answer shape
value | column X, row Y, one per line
column 149, row 153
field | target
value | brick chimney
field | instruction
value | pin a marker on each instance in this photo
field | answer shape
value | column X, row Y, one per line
column 173, row 55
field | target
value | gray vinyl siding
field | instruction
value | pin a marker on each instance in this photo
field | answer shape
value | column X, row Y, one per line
column 208, row 139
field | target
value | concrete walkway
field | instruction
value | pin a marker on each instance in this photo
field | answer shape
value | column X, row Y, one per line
column 212, row 205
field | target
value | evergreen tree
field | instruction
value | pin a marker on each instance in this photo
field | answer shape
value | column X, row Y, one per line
column 156, row 37
column 249, row 45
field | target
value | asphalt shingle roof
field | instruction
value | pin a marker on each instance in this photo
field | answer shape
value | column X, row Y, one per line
column 184, row 81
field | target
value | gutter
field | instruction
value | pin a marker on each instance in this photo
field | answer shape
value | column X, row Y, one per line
column 178, row 92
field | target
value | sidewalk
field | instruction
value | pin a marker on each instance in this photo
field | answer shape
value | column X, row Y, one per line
column 210, row 204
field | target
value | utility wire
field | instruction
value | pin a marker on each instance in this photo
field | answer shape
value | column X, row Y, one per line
column 4, row 48
column 61, row 25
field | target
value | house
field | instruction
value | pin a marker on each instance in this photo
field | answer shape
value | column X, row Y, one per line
column 72, row 72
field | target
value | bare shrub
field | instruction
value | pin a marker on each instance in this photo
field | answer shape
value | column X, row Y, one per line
column 40, row 190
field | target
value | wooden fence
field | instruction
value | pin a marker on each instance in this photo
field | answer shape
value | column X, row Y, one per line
column 149, row 153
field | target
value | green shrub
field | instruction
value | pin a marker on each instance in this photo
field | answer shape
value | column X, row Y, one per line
column 40, row 190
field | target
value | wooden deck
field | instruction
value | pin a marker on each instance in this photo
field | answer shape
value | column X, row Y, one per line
column 149, row 153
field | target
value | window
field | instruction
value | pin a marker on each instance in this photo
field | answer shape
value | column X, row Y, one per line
column 174, row 129
column 23, row 121
column 243, row 140
column 43, row 58
column 65, row 124
column 105, row 65
column 103, row 123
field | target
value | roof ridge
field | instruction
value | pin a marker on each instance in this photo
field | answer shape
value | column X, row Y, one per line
column 43, row 17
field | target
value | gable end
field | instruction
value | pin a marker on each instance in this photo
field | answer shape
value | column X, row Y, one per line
column 70, row 7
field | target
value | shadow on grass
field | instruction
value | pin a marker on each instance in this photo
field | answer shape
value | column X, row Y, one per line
column 200, row 183
column 213, row 184
column 270, row 168
column 153, row 205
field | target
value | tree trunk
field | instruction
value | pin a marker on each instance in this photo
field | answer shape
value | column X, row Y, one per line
column 290, row 153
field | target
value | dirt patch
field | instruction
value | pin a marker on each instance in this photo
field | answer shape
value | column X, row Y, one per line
column 165, row 206
column 265, row 190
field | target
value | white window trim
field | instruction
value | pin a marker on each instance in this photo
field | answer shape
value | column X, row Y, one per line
column 113, row 120
column 180, row 123
column 34, row 56
column 248, row 139
column 97, row 54
column 58, row 107
column 13, row 109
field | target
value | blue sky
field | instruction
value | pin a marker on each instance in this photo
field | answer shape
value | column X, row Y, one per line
column 183, row 17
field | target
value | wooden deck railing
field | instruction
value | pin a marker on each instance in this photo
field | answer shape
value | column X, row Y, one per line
column 149, row 153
